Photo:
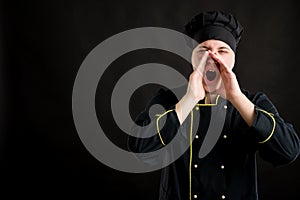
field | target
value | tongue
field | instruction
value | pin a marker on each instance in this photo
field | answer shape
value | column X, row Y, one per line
column 210, row 75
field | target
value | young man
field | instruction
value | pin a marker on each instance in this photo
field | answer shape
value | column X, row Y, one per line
column 226, row 168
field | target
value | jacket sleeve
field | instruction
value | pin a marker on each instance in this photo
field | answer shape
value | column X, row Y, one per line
column 277, row 140
column 154, row 130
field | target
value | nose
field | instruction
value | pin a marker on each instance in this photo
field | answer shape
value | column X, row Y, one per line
column 210, row 60
column 213, row 52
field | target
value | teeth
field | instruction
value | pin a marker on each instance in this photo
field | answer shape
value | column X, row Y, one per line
column 210, row 75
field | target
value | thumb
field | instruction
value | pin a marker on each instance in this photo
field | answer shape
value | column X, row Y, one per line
column 201, row 66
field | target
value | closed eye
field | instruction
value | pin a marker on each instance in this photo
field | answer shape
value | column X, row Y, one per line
column 201, row 50
column 223, row 51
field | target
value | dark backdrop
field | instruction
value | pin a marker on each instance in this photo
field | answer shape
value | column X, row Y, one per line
column 42, row 45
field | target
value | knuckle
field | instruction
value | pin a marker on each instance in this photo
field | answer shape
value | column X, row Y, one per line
column 193, row 75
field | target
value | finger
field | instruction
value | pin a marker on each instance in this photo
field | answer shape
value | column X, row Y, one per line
column 202, row 63
column 221, row 64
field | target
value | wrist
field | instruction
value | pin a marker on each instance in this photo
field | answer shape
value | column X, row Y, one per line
column 193, row 97
column 184, row 106
column 236, row 97
column 190, row 99
column 245, row 107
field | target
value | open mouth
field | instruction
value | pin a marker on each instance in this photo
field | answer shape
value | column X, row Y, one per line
column 211, row 75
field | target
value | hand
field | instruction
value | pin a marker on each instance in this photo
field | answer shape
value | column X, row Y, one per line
column 195, row 90
column 229, row 88
column 195, row 87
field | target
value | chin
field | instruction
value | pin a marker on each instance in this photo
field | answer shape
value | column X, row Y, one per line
column 210, row 89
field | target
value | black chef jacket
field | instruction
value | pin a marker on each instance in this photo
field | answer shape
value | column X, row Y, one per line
column 228, row 171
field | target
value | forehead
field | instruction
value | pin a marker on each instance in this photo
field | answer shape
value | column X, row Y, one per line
column 214, row 44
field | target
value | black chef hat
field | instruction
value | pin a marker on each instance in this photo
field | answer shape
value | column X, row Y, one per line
column 217, row 25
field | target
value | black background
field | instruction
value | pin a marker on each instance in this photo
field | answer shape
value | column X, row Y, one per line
column 42, row 45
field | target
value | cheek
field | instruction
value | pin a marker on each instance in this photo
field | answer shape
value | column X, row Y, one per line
column 230, row 60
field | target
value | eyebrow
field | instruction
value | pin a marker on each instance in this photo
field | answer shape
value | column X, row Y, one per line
column 205, row 47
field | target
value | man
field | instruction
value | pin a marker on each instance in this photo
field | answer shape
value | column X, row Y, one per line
column 226, row 168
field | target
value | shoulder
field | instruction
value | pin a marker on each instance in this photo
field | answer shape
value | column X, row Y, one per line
column 255, row 96
column 168, row 97
column 167, row 94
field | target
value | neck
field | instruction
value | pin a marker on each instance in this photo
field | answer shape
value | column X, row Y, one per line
column 210, row 98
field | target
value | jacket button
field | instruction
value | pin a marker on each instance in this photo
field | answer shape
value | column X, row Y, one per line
column 225, row 106
column 196, row 136
column 222, row 166
column 224, row 136
column 197, row 108
column 223, row 197
column 195, row 196
column 195, row 166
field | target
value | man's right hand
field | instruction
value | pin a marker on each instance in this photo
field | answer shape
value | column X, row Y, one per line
column 195, row 87
column 195, row 91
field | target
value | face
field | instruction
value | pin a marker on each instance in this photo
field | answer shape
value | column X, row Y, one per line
column 212, row 79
